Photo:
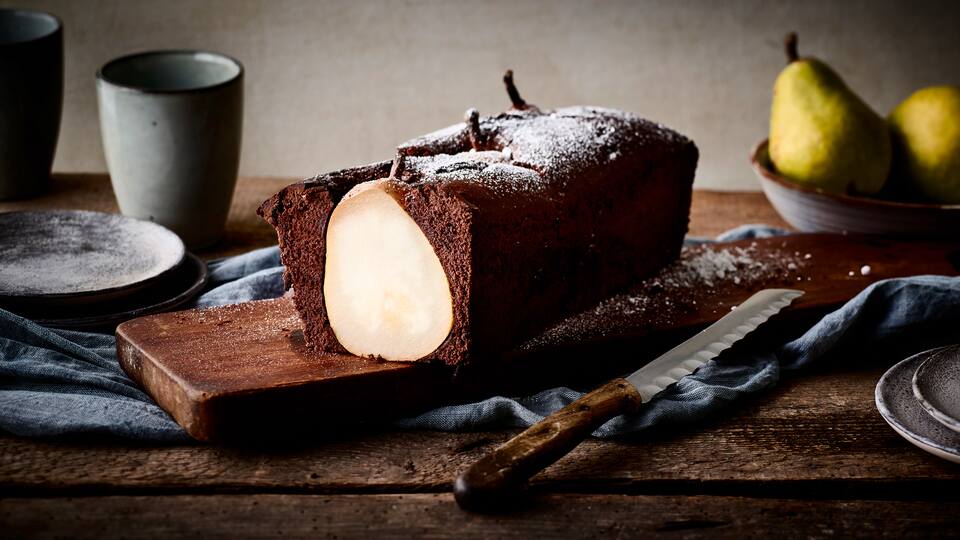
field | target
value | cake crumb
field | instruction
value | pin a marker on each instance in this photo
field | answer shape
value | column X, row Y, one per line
column 690, row 284
column 865, row 270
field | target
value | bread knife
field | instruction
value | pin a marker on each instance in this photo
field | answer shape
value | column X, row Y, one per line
column 490, row 482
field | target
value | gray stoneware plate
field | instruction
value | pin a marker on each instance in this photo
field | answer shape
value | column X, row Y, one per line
column 175, row 289
column 814, row 210
column 936, row 385
column 895, row 401
column 71, row 257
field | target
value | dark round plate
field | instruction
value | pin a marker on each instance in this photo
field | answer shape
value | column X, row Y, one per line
column 936, row 385
column 814, row 210
column 895, row 401
column 76, row 256
column 176, row 288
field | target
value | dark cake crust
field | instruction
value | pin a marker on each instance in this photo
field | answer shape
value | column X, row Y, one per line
column 535, row 216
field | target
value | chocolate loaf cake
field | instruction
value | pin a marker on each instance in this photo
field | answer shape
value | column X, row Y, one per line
column 477, row 237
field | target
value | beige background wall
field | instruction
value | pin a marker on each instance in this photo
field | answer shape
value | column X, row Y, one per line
column 336, row 83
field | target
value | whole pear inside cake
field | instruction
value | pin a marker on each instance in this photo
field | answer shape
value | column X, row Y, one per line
column 386, row 292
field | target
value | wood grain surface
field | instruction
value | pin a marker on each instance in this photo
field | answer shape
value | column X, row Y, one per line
column 436, row 516
column 815, row 433
column 810, row 458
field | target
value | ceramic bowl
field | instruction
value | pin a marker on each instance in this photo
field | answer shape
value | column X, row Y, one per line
column 814, row 210
column 898, row 407
column 936, row 385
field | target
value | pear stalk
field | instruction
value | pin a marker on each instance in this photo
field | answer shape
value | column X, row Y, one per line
column 472, row 118
column 790, row 46
column 396, row 169
column 518, row 102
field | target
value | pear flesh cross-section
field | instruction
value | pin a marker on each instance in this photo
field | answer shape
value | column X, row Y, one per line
column 386, row 292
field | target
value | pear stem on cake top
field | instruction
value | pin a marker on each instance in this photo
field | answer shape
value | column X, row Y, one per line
column 518, row 102
column 472, row 118
column 396, row 169
column 790, row 45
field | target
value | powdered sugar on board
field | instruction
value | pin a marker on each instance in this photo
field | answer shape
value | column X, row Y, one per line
column 690, row 284
column 256, row 324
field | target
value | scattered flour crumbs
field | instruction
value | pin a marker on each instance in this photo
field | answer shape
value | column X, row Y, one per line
column 703, row 279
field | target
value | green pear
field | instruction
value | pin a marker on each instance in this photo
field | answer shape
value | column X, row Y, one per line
column 821, row 134
column 926, row 134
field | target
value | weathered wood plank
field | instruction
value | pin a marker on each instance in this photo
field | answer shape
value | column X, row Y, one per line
column 436, row 516
column 813, row 433
column 714, row 212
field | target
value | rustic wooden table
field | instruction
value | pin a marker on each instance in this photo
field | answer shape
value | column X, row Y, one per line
column 811, row 458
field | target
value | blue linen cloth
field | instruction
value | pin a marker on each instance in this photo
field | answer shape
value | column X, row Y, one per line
column 57, row 382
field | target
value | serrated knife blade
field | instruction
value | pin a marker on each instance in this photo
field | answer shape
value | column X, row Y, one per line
column 489, row 483
column 693, row 353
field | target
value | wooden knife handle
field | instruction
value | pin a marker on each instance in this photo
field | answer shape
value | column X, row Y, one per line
column 491, row 482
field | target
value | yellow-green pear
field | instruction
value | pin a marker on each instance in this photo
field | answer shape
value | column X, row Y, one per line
column 821, row 134
column 926, row 133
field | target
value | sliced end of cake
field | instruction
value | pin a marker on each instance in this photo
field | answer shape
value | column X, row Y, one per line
column 386, row 292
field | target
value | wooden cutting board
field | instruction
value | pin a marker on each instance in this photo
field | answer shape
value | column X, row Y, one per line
column 243, row 371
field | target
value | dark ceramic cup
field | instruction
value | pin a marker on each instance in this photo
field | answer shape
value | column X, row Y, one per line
column 31, row 100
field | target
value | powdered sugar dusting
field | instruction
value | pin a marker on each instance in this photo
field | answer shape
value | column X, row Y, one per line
column 691, row 284
column 493, row 169
column 533, row 150
column 70, row 252
column 560, row 142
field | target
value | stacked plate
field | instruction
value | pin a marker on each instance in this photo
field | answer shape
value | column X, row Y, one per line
column 90, row 270
column 920, row 399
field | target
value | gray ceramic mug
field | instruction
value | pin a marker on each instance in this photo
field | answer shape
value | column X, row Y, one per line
column 31, row 100
column 171, row 123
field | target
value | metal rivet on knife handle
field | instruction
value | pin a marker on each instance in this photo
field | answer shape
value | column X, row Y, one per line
column 491, row 482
